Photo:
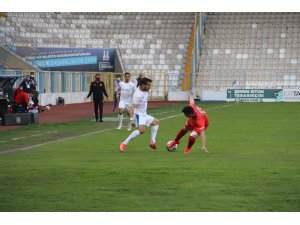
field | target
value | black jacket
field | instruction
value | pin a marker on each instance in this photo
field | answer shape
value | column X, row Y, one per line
column 28, row 85
column 138, row 81
column 97, row 89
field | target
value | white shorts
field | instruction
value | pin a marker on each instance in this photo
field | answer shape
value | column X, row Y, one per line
column 124, row 105
column 145, row 120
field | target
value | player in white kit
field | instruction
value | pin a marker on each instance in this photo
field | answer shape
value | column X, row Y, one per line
column 139, row 109
column 125, row 91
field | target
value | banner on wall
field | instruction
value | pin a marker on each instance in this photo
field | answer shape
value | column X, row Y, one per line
column 292, row 95
column 70, row 59
column 255, row 95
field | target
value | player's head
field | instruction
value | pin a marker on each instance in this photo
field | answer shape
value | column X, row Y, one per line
column 145, row 84
column 141, row 75
column 127, row 77
column 31, row 73
column 188, row 111
column 118, row 77
column 97, row 77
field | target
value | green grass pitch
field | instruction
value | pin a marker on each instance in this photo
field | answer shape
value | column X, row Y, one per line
column 253, row 164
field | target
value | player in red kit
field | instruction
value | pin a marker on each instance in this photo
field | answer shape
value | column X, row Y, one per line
column 196, row 124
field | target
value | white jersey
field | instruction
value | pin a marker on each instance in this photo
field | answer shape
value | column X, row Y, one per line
column 140, row 99
column 126, row 91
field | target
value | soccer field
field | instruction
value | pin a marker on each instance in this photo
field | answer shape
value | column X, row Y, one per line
column 253, row 164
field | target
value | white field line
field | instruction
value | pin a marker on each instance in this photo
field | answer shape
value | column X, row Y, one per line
column 54, row 141
column 86, row 134
column 18, row 138
column 34, row 135
column 161, row 113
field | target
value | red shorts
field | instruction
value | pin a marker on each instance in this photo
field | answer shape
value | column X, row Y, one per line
column 192, row 126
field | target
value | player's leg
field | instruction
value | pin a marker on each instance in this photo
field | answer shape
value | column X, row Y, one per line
column 134, row 134
column 141, row 129
column 96, row 110
column 120, row 113
column 155, row 125
column 120, row 116
column 181, row 133
column 192, row 138
column 101, row 110
column 127, row 108
column 129, row 125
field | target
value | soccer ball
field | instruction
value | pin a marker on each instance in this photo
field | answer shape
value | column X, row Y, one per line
column 173, row 149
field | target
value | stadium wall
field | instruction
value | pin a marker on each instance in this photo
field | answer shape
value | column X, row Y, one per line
column 208, row 95
column 70, row 98
column 178, row 95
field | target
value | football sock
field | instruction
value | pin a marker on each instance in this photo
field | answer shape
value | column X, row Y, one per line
column 191, row 141
column 180, row 134
column 129, row 125
column 154, row 130
column 120, row 119
column 132, row 136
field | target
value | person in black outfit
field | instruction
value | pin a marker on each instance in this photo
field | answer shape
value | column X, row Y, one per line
column 137, row 82
column 29, row 83
column 97, row 88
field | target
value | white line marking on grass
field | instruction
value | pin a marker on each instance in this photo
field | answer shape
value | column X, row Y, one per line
column 86, row 134
column 50, row 142
column 2, row 141
column 160, row 113
column 54, row 131
column 18, row 138
column 34, row 135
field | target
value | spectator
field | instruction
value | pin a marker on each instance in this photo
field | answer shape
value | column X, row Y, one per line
column 116, row 88
column 97, row 88
column 137, row 82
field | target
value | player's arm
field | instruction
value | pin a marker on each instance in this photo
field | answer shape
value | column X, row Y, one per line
column 203, row 140
column 201, row 127
column 104, row 90
column 118, row 92
column 90, row 92
column 191, row 96
column 135, row 102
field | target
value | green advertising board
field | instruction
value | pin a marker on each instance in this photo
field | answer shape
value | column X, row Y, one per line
column 255, row 95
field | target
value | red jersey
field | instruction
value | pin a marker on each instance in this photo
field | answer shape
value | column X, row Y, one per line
column 21, row 97
column 199, row 122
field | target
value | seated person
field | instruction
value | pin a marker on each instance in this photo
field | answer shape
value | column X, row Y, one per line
column 21, row 100
column 29, row 86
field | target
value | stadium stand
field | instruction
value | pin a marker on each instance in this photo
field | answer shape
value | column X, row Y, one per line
column 149, row 42
column 250, row 50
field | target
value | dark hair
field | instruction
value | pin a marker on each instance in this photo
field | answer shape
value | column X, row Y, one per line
column 97, row 74
column 145, row 80
column 32, row 73
column 118, row 76
column 188, row 110
column 127, row 73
